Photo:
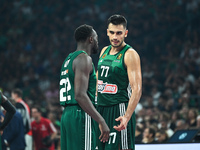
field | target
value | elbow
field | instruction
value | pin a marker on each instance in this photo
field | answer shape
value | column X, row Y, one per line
column 137, row 91
column 13, row 111
column 79, row 96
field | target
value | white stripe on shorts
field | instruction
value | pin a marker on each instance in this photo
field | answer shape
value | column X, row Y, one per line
column 88, row 135
column 124, row 141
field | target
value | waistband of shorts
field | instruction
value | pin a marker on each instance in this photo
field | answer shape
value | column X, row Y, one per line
column 70, row 105
column 112, row 105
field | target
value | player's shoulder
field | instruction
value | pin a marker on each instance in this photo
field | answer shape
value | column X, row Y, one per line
column 45, row 120
column 131, row 52
column 103, row 50
column 83, row 58
column 131, row 56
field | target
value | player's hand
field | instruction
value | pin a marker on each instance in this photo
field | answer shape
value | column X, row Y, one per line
column 105, row 131
column 123, row 123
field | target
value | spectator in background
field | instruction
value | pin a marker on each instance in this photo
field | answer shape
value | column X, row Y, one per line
column 198, row 122
column 13, row 135
column 174, row 117
column 24, row 110
column 161, row 136
column 149, row 136
column 164, row 126
column 139, row 133
column 44, row 132
column 181, row 125
column 192, row 118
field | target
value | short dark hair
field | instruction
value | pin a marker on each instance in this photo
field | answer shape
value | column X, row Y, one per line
column 18, row 92
column 117, row 20
column 37, row 107
column 83, row 32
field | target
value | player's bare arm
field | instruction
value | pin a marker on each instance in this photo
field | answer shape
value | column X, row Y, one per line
column 132, row 63
column 82, row 67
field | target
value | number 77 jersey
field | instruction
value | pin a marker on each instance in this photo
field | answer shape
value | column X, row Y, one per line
column 67, row 81
column 113, row 83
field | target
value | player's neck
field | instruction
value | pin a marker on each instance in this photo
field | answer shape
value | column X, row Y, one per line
column 38, row 119
column 84, row 47
column 18, row 99
column 117, row 49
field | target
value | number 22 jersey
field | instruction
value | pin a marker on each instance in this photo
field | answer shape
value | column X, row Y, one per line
column 67, row 81
column 113, row 83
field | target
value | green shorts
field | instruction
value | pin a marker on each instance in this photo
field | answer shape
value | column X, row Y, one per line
column 77, row 129
column 124, row 139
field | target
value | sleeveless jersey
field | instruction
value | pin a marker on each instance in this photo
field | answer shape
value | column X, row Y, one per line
column 67, row 75
column 113, row 83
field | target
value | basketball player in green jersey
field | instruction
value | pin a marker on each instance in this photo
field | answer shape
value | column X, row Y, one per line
column 119, row 74
column 10, row 111
column 77, row 95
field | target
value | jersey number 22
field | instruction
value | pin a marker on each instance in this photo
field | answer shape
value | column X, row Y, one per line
column 63, row 91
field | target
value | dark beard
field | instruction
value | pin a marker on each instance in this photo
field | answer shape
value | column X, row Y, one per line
column 95, row 50
column 118, row 45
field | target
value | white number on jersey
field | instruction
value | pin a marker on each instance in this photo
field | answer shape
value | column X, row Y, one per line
column 113, row 137
column 63, row 90
column 106, row 72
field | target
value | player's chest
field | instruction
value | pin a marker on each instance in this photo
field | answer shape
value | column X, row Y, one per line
column 40, row 127
column 110, row 65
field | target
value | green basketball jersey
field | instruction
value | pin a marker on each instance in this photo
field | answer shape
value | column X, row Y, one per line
column 67, row 81
column 113, row 83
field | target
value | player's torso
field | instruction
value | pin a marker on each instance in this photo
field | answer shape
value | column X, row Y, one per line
column 41, row 129
column 112, row 78
column 67, row 81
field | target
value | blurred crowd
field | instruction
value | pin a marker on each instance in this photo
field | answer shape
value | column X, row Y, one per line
column 36, row 36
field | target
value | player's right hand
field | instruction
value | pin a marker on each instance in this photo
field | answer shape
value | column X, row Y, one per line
column 105, row 131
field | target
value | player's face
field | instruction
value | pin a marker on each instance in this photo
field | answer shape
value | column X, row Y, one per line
column 14, row 96
column 95, row 47
column 116, row 34
column 35, row 113
column 146, row 133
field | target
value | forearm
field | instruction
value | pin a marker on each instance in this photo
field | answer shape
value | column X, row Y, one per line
column 89, row 108
column 133, row 101
column 10, row 111
column 53, row 135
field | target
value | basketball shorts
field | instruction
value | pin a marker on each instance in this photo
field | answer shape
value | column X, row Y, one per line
column 124, row 139
column 77, row 129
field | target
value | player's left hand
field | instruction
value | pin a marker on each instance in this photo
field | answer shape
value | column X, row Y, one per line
column 123, row 123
